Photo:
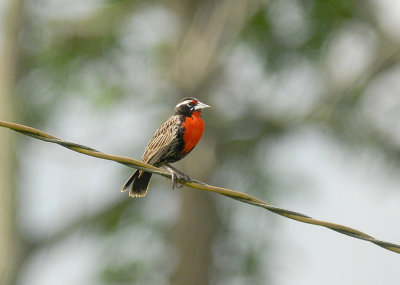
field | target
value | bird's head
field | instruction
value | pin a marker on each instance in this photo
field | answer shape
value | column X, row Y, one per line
column 187, row 106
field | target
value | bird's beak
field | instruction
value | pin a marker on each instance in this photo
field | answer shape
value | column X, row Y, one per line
column 200, row 106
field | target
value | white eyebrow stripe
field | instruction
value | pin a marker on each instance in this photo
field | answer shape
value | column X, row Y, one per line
column 184, row 103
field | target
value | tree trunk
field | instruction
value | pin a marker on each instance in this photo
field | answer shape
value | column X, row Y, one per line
column 8, row 52
column 210, row 26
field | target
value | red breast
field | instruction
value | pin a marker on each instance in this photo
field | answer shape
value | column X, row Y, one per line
column 193, row 128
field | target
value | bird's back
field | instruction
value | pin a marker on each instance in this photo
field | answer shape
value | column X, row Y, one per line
column 166, row 143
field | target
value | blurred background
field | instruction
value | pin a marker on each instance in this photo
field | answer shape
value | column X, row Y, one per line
column 306, row 104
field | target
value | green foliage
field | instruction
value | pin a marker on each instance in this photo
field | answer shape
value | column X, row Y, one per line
column 326, row 16
column 318, row 19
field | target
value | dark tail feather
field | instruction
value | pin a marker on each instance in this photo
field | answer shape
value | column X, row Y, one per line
column 138, row 183
column 130, row 180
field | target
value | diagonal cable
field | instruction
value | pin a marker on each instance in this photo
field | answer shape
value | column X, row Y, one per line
column 242, row 197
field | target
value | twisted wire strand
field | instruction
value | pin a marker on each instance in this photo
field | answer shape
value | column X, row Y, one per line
column 239, row 196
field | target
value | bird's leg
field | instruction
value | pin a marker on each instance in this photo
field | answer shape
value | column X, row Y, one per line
column 177, row 175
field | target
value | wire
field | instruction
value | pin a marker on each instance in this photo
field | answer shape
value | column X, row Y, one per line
column 239, row 196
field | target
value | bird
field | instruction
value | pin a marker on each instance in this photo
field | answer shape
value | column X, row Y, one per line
column 172, row 141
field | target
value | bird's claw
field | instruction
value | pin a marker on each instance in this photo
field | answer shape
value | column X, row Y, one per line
column 179, row 176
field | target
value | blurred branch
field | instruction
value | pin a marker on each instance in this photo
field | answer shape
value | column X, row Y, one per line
column 202, row 186
column 386, row 58
column 209, row 30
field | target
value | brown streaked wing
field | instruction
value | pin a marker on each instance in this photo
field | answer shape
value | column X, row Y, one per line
column 161, row 140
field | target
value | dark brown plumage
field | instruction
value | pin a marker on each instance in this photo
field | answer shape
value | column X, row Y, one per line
column 173, row 140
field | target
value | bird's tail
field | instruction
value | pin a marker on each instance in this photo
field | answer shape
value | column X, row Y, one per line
column 138, row 183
